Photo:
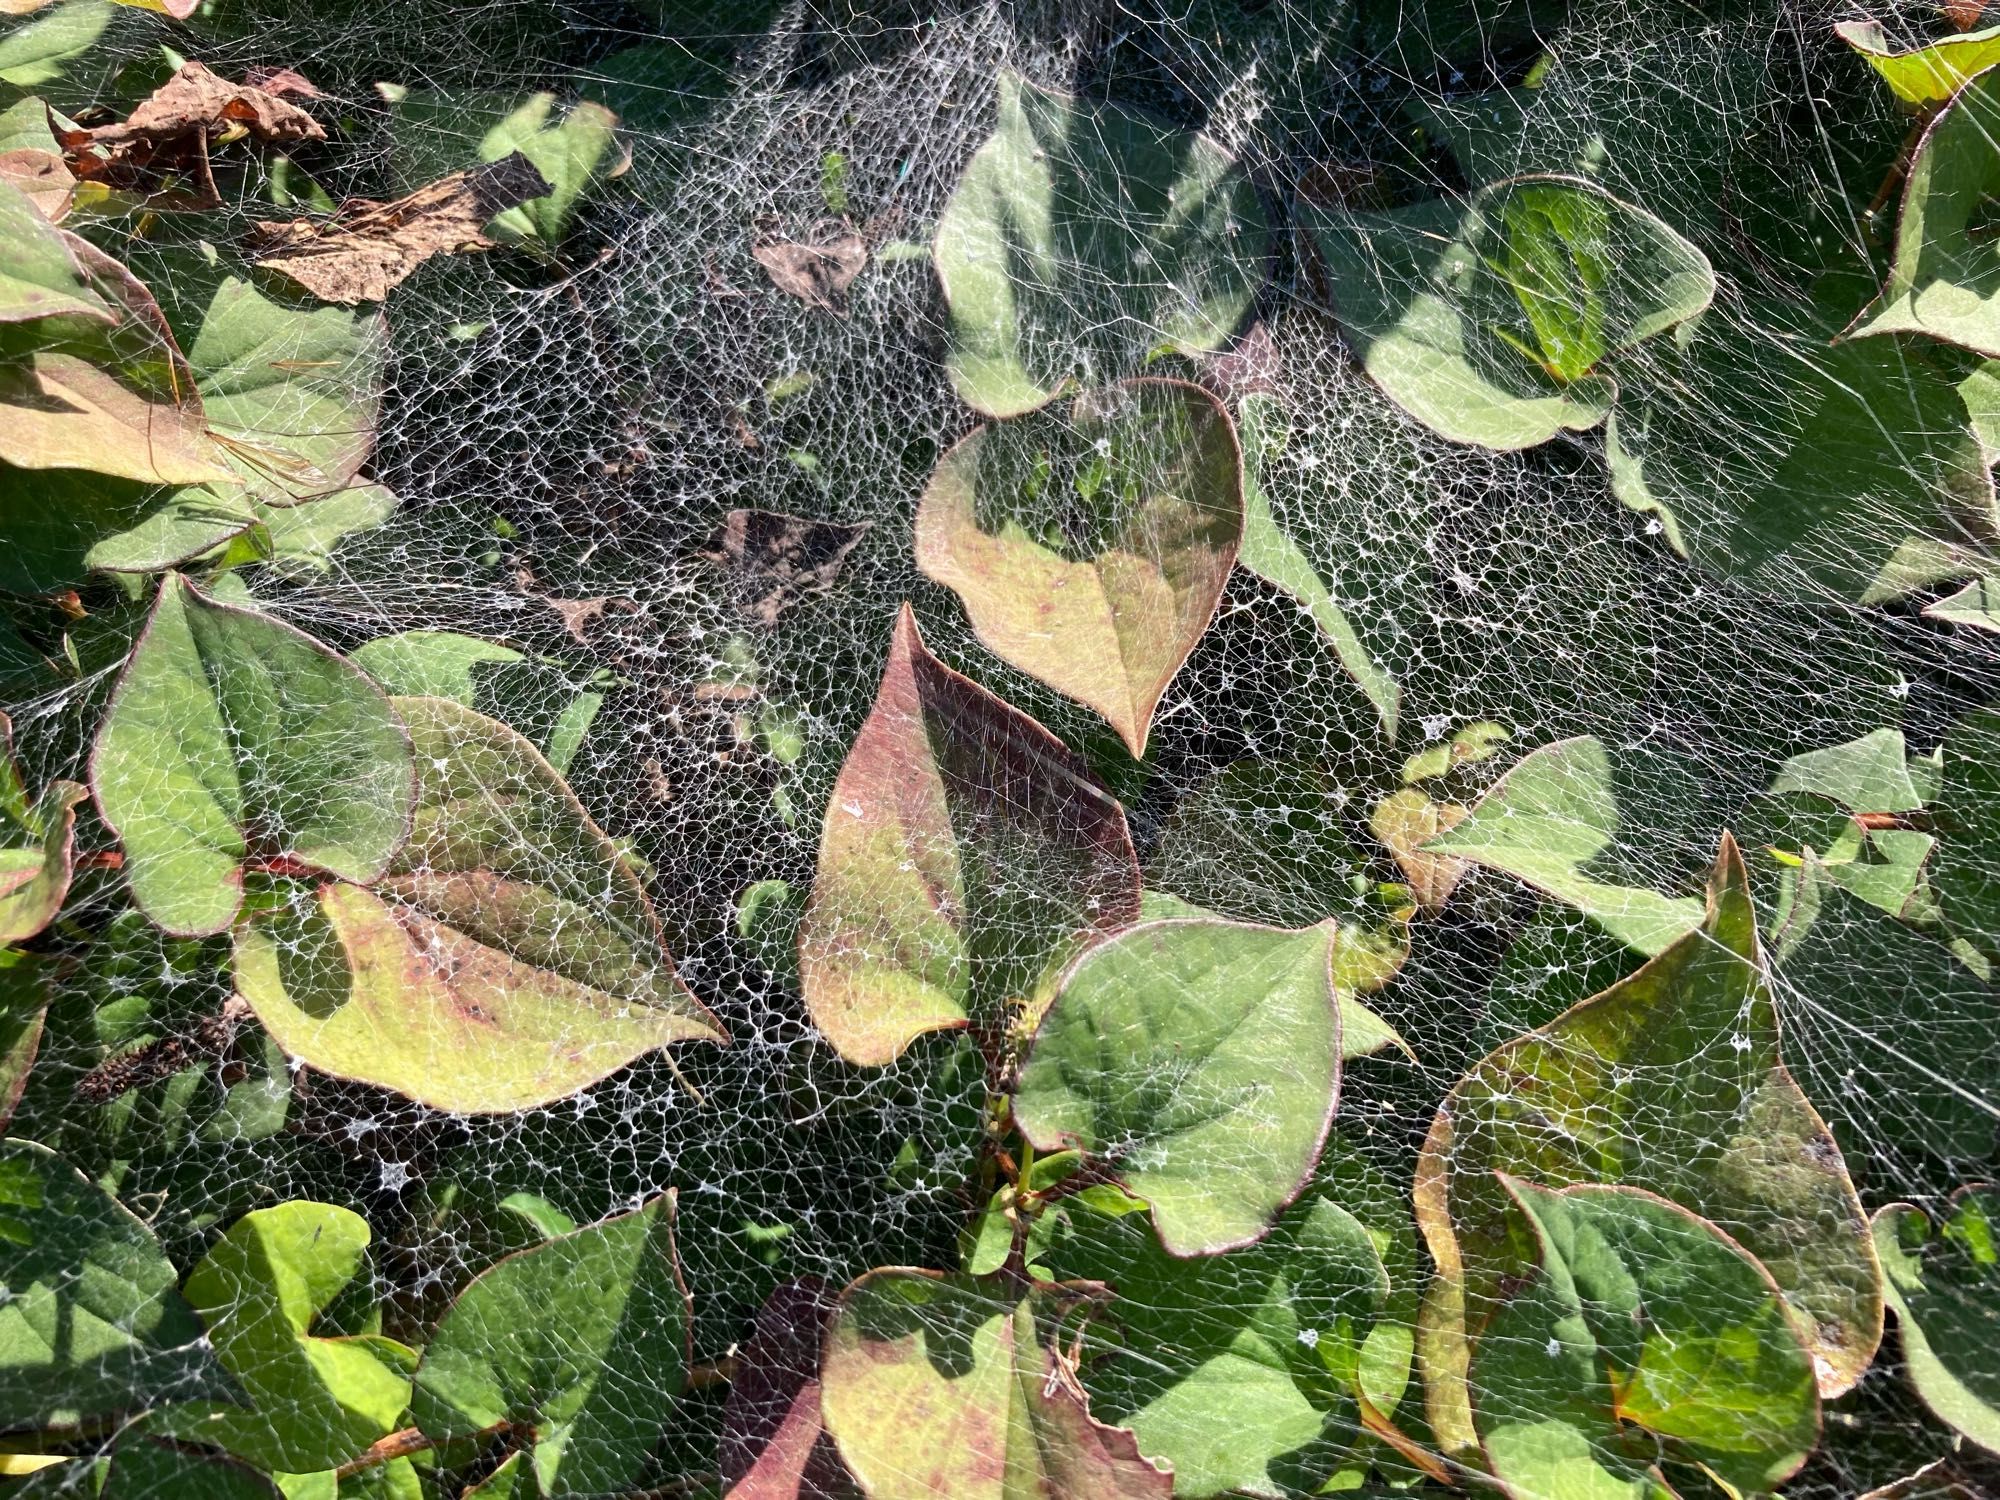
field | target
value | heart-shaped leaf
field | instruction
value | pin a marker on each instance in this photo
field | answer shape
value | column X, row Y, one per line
column 1944, row 278
column 1080, row 240
column 232, row 737
column 1544, row 821
column 1819, row 502
column 508, row 957
column 1200, row 1061
column 91, row 1325
column 36, row 837
column 1647, row 1333
column 1945, row 1288
column 582, row 1340
column 965, row 851
column 316, row 1402
column 1489, row 324
column 939, row 1385
column 1090, row 547
column 1671, row 1081
column 1925, row 75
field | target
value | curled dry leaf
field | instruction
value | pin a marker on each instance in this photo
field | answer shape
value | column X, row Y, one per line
column 775, row 561
column 172, row 131
column 367, row 251
column 43, row 177
column 818, row 271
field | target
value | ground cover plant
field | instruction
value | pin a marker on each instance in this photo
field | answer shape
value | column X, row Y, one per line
column 1244, row 747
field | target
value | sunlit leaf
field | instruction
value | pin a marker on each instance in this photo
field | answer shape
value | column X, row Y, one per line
column 582, row 1340
column 1944, row 1283
column 315, row 1402
column 1492, row 324
column 940, row 1385
column 1200, row 1062
column 507, row 957
column 36, row 847
column 1545, row 821
column 1944, row 278
column 233, row 737
column 1671, row 1081
column 1081, row 238
column 965, row 850
column 1928, row 74
column 1646, row 1333
column 1090, row 546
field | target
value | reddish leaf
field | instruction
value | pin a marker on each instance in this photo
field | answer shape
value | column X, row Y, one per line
column 965, row 851
column 774, row 1446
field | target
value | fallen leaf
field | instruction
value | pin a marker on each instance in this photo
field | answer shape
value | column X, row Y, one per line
column 775, row 560
column 171, row 131
column 364, row 253
column 578, row 615
column 818, row 272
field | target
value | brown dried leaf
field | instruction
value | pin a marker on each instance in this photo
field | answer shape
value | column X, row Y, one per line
column 819, row 272
column 1404, row 822
column 196, row 99
column 170, row 132
column 775, row 561
column 369, row 250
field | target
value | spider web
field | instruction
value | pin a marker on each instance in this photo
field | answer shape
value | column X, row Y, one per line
column 573, row 435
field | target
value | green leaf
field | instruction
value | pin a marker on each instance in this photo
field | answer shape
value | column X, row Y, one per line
column 939, row 1385
column 432, row 663
column 508, row 956
column 316, row 1402
column 1925, row 75
column 91, row 1325
column 1909, row 1067
column 1091, row 547
column 231, row 737
column 113, row 395
column 1965, row 870
column 583, row 1340
column 1944, row 278
column 1977, row 605
column 1241, row 1369
column 1271, row 553
column 36, row 848
column 1471, row 745
column 299, row 540
column 1490, row 325
column 1870, row 774
column 42, row 277
column 570, row 154
column 1364, row 959
column 295, row 390
column 965, row 852
column 1082, row 238
column 1671, row 1081
column 1544, row 821
column 1648, row 1333
column 1820, row 502
column 1200, row 1062
column 1945, row 1288
column 35, row 53
column 64, row 523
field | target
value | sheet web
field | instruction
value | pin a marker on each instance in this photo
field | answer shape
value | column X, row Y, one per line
column 568, row 434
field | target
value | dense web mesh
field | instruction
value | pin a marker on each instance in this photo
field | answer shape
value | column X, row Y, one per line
column 568, row 434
